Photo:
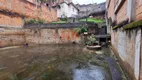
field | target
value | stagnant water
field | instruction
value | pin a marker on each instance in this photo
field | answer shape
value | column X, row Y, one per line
column 53, row 62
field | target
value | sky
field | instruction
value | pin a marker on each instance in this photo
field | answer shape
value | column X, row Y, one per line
column 87, row 1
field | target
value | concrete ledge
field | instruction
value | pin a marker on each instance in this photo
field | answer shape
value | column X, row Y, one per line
column 66, row 25
column 6, row 48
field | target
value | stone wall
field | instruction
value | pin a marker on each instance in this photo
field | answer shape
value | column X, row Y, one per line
column 126, row 45
column 16, row 10
column 11, row 37
column 12, row 14
column 51, row 36
column 20, row 36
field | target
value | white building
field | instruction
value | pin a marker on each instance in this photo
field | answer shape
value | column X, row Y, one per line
column 65, row 9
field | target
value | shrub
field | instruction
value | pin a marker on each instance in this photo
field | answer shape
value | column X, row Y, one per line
column 91, row 40
column 81, row 29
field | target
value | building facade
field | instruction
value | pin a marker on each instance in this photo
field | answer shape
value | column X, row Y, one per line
column 68, row 10
column 86, row 10
column 124, row 21
column 53, row 3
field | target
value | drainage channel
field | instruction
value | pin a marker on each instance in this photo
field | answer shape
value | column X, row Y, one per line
column 56, row 62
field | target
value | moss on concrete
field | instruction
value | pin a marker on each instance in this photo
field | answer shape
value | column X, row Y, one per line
column 133, row 25
column 115, row 27
column 94, row 20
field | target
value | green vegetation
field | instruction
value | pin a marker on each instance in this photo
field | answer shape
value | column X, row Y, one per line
column 34, row 21
column 92, row 20
column 63, row 20
column 14, row 77
column 115, row 27
column 81, row 29
column 133, row 25
column 91, row 40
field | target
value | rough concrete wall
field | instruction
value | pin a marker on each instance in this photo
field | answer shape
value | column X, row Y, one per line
column 15, row 37
column 121, row 45
column 51, row 36
column 114, row 39
column 127, row 45
column 130, row 49
column 122, row 13
column 137, row 55
column 11, row 37
column 141, row 60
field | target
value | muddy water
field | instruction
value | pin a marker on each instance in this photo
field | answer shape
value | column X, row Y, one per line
column 53, row 62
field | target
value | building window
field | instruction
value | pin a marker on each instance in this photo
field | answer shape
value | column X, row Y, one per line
column 73, row 9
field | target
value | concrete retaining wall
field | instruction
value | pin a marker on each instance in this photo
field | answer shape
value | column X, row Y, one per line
column 20, row 36
column 51, row 36
column 11, row 37
column 126, row 45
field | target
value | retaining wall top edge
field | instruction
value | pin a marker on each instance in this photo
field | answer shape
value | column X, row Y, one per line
column 67, row 25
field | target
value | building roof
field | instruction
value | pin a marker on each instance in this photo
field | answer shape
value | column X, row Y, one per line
column 99, row 8
column 71, row 3
column 89, row 9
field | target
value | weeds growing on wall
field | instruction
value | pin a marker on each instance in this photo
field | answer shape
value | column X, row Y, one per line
column 34, row 21
column 81, row 29
column 94, row 20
